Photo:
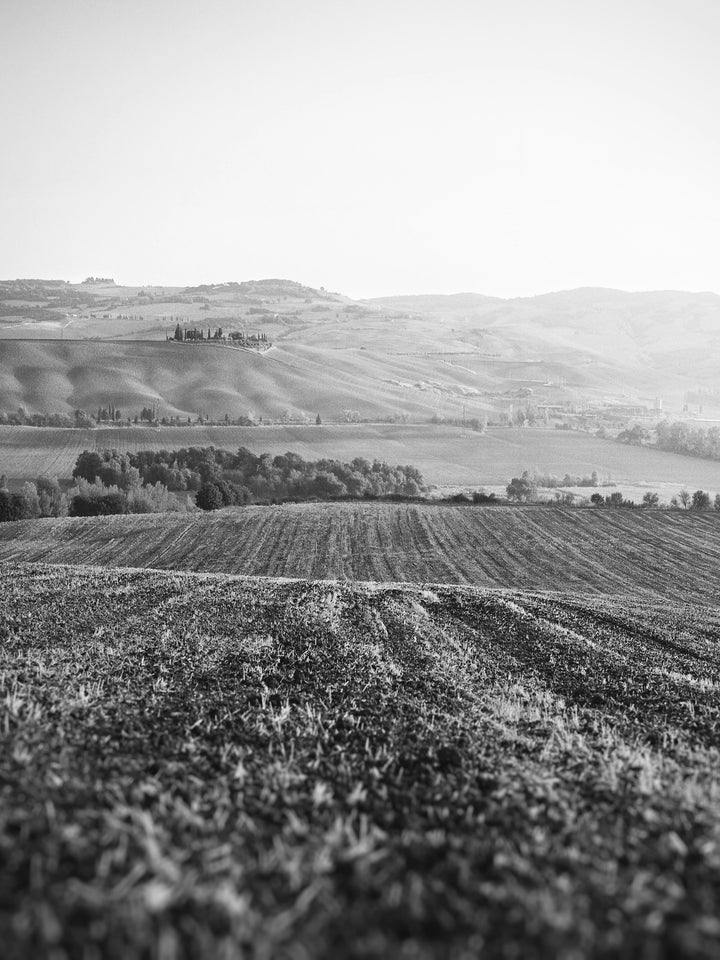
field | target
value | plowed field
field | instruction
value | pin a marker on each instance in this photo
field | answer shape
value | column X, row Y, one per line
column 672, row 554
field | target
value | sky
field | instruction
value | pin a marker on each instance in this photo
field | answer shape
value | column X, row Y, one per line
column 374, row 147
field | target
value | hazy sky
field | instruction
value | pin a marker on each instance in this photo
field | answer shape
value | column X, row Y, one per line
column 371, row 146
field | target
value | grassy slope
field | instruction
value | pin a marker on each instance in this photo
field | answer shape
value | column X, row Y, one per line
column 444, row 455
column 672, row 555
column 61, row 376
column 429, row 356
column 202, row 766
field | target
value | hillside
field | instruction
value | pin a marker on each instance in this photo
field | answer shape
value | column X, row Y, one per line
column 673, row 555
column 205, row 766
column 189, row 379
column 659, row 340
column 416, row 356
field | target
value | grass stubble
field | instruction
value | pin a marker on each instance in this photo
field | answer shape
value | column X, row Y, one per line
column 210, row 766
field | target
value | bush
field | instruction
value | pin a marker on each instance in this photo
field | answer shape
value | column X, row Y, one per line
column 209, row 497
column 479, row 496
column 92, row 506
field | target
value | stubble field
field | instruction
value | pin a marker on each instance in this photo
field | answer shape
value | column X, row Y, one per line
column 206, row 766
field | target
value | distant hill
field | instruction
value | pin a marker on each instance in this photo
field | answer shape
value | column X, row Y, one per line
column 270, row 288
column 434, row 302
column 455, row 355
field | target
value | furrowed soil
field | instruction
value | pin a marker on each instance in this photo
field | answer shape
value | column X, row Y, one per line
column 206, row 766
column 669, row 554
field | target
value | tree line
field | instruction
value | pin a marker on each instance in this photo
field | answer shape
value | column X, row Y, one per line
column 222, row 478
column 21, row 418
column 677, row 437
column 525, row 488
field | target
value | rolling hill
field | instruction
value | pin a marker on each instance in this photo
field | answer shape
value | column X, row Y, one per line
column 412, row 356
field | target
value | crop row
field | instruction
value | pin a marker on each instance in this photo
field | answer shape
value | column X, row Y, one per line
column 673, row 555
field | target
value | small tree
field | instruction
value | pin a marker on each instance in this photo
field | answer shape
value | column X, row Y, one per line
column 522, row 488
column 700, row 500
column 650, row 499
column 318, row 421
column 597, row 499
column 50, row 496
column 209, row 497
column 716, row 502
column 684, row 498
column 32, row 501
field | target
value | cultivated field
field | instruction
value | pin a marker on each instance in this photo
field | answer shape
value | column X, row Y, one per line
column 674, row 555
column 447, row 456
column 204, row 766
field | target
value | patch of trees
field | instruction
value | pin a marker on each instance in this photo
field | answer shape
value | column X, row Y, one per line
column 41, row 498
column 247, row 478
column 690, row 441
column 525, row 487
column 109, row 413
column 21, row 418
column 699, row 500
column 618, row 500
column 636, row 435
column 222, row 478
column 193, row 334
column 677, row 437
column 100, row 499
column 197, row 334
column 111, row 482
column 550, row 481
column 114, row 487
column 478, row 496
